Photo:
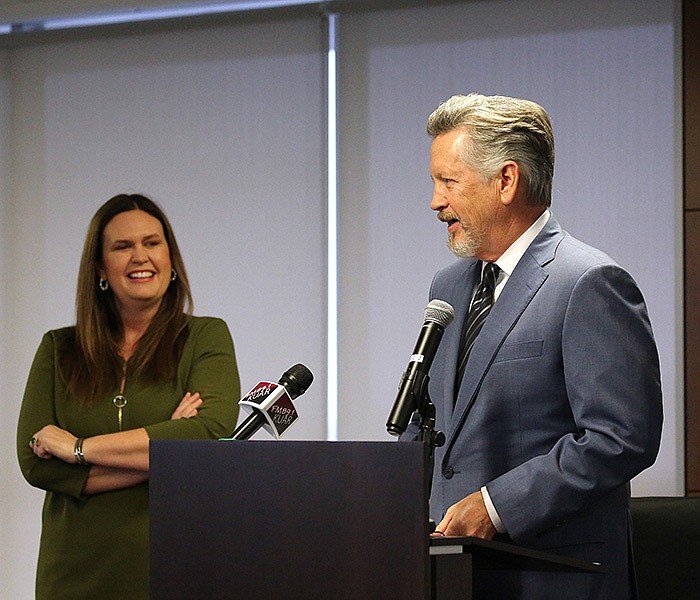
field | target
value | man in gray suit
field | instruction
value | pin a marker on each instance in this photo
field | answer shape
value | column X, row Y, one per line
column 550, row 396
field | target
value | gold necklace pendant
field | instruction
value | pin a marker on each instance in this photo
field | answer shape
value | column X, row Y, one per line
column 120, row 402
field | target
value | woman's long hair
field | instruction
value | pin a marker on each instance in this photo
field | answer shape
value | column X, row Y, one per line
column 90, row 363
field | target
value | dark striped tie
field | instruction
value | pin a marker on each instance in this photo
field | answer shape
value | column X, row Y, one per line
column 480, row 308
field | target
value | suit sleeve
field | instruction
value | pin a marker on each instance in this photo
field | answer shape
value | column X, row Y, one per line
column 612, row 380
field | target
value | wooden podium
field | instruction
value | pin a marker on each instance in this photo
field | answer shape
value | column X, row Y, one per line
column 308, row 520
column 455, row 562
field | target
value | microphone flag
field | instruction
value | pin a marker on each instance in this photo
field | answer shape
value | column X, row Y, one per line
column 274, row 402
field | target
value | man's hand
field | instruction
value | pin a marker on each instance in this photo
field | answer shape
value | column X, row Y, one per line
column 468, row 518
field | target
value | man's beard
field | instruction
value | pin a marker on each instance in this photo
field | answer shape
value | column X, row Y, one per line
column 466, row 245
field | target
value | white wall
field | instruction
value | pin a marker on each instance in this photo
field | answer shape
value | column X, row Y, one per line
column 12, row 487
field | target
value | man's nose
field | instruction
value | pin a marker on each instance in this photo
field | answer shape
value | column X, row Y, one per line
column 438, row 201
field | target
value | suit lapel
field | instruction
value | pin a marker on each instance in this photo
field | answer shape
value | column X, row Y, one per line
column 520, row 289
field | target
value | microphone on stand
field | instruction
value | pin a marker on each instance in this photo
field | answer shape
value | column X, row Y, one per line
column 270, row 404
column 414, row 381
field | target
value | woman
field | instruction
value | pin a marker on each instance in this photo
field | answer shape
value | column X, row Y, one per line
column 136, row 366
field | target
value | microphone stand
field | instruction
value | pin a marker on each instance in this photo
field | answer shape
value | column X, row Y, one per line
column 428, row 433
column 430, row 436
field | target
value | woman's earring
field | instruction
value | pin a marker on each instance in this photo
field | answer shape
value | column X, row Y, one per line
column 173, row 274
column 104, row 284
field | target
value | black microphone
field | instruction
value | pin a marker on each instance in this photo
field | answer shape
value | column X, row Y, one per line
column 271, row 403
column 414, row 381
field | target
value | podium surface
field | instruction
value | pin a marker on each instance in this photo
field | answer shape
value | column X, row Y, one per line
column 264, row 519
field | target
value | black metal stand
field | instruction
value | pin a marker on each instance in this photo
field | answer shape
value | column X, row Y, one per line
column 428, row 433
column 431, row 437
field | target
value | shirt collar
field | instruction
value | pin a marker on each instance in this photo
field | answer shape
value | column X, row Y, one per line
column 510, row 258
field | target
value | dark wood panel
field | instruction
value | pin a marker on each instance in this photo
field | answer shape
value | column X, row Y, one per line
column 692, row 350
column 271, row 519
column 691, row 103
column 691, row 242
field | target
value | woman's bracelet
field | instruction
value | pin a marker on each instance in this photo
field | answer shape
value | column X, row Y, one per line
column 78, row 452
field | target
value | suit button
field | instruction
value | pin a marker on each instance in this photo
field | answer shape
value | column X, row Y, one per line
column 448, row 473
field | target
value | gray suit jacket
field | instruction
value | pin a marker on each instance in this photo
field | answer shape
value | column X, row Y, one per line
column 559, row 407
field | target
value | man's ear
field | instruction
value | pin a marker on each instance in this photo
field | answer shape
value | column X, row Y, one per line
column 508, row 182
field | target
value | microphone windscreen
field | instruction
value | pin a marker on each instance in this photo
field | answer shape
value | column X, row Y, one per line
column 440, row 312
column 297, row 380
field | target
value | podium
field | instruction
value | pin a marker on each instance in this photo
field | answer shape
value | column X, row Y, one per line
column 308, row 520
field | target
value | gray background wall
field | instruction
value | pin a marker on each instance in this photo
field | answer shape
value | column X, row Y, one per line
column 224, row 126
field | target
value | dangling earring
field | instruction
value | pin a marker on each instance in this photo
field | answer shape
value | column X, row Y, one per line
column 104, row 284
column 173, row 274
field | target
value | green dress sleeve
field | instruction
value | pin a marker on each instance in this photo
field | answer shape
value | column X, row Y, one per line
column 207, row 366
column 38, row 410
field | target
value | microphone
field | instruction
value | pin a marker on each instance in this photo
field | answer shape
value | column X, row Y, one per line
column 414, row 381
column 270, row 404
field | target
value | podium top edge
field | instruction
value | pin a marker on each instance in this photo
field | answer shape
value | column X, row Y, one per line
column 501, row 552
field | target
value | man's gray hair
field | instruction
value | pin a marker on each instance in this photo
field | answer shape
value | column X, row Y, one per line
column 502, row 129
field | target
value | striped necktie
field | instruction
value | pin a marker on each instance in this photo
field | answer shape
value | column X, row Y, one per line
column 480, row 308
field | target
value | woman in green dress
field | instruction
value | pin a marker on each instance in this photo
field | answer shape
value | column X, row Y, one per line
column 136, row 366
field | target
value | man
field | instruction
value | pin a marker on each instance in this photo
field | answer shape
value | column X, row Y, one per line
column 553, row 403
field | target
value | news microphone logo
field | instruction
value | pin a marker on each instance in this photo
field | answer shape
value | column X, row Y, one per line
column 275, row 403
column 270, row 405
